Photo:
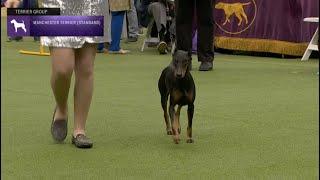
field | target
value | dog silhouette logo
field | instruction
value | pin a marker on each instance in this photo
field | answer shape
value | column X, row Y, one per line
column 18, row 25
column 242, row 13
column 233, row 8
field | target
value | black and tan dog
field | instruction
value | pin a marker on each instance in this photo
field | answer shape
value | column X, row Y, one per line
column 176, row 81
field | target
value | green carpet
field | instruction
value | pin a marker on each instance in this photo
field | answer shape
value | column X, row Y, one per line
column 255, row 118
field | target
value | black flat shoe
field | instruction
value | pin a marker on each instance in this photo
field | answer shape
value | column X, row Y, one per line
column 82, row 141
column 59, row 128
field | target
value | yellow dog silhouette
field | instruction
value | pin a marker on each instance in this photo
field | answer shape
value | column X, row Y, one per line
column 233, row 8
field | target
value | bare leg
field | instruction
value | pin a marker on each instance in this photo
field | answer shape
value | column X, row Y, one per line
column 62, row 69
column 83, row 90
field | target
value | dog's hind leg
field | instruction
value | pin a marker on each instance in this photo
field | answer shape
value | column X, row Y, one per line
column 244, row 16
column 164, row 100
column 239, row 18
column 189, row 128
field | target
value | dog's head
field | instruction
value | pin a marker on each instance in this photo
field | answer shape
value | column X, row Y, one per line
column 181, row 61
column 219, row 5
column 12, row 21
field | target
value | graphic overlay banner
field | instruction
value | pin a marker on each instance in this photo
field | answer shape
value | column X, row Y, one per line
column 55, row 25
column 47, row 22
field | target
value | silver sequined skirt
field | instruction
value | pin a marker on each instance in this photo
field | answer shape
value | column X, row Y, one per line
column 78, row 8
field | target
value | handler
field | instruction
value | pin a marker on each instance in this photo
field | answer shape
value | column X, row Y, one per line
column 73, row 54
column 184, row 17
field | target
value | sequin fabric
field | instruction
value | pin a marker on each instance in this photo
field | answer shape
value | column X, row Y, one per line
column 77, row 8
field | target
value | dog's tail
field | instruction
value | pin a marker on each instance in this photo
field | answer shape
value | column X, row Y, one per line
column 244, row 4
column 22, row 21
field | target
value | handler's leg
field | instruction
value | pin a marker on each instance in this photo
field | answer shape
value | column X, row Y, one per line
column 205, row 34
column 62, row 69
column 83, row 91
column 185, row 9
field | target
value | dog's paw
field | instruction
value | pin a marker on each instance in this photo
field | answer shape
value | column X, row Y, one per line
column 176, row 139
column 190, row 141
column 169, row 132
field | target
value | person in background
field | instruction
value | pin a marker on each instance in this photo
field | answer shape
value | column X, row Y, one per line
column 103, row 48
column 32, row 4
column 143, row 15
column 133, row 25
column 162, row 12
column 137, row 4
column 118, row 9
column 3, row 2
column 184, row 17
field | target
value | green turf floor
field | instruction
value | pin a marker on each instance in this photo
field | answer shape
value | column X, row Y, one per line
column 255, row 118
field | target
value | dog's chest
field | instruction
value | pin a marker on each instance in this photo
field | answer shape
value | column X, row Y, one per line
column 180, row 96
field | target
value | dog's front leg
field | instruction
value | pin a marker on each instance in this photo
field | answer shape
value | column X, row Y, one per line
column 164, row 99
column 176, row 125
column 171, row 114
column 225, row 22
column 189, row 128
column 227, row 19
